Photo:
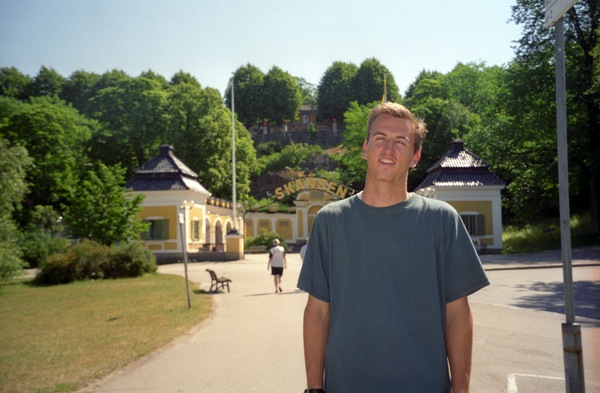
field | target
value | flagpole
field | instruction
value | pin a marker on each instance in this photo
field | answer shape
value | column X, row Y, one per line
column 233, row 175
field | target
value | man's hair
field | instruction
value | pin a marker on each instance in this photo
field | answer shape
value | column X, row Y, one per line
column 401, row 112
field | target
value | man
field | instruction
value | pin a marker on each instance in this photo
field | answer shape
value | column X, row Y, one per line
column 388, row 273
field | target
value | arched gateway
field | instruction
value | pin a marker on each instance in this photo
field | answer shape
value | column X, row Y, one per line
column 312, row 193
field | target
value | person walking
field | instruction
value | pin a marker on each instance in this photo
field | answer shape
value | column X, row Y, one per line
column 387, row 274
column 277, row 262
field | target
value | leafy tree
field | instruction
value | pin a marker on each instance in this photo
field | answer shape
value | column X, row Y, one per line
column 14, row 163
column 47, row 82
column 132, row 112
column 290, row 157
column 184, row 78
column 13, row 83
column 531, row 82
column 79, row 88
column 197, row 118
column 249, row 90
column 353, row 165
column 282, row 97
column 367, row 85
column 100, row 209
column 56, row 137
column 308, row 91
column 335, row 93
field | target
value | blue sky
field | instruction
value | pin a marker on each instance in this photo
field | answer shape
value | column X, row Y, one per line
column 210, row 39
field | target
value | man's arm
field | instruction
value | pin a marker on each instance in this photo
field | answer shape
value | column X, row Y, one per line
column 459, row 343
column 316, row 333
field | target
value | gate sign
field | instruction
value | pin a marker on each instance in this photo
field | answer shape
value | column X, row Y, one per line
column 555, row 9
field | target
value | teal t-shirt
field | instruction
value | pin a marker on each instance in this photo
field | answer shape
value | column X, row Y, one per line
column 387, row 274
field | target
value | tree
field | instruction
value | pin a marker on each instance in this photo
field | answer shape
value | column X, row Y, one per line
column 56, row 137
column 14, row 163
column 13, row 83
column 334, row 93
column 249, row 90
column 532, row 89
column 353, row 166
column 367, row 85
column 132, row 113
column 282, row 96
column 100, row 209
column 308, row 91
column 79, row 88
column 47, row 82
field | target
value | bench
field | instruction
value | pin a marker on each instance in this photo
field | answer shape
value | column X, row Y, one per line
column 256, row 249
column 217, row 282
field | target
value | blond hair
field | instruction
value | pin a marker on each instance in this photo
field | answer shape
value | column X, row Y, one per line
column 401, row 112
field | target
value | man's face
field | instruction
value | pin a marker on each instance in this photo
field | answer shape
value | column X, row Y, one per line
column 390, row 151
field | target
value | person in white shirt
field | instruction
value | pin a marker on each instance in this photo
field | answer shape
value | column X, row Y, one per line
column 277, row 263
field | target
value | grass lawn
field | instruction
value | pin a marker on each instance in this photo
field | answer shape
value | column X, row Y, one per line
column 61, row 338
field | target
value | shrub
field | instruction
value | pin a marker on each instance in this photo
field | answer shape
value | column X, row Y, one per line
column 83, row 260
column 266, row 239
column 130, row 260
column 39, row 245
column 90, row 260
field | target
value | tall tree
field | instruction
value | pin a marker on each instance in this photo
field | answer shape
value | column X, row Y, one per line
column 13, row 83
column 249, row 92
column 334, row 93
column 47, row 82
column 56, row 137
column 79, row 89
column 282, row 97
column 14, row 163
column 368, row 83
column 101, row 210
column 533, row 91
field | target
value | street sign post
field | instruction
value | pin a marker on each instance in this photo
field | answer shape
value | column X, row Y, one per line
column 571, row 331
column 555, row 9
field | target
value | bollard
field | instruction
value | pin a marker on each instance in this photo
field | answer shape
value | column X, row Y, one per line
column 573, row 356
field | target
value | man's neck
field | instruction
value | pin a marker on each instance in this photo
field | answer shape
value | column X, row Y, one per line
column 381, row 196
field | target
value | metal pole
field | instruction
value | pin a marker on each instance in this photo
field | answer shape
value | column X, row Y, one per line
column 571, row 331
column 182, row 222
column 233, row 175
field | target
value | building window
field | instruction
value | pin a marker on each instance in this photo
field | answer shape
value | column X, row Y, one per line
column 196, row 230
column 158, row 230
column 474, row 222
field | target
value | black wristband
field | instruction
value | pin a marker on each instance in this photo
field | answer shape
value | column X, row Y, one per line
column 314, row 391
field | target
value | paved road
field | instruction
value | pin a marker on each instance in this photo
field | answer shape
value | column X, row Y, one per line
column 254, row 340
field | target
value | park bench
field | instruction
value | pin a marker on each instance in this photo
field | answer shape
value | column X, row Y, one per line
column 217, row 282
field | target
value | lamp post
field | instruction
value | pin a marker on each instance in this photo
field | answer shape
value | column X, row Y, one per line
column 182, row 226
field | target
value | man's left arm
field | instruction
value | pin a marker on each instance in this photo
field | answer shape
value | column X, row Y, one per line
column 459, row 343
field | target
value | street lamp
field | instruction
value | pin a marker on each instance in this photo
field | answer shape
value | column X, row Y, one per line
column 182, row 226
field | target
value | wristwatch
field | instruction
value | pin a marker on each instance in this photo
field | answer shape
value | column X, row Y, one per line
column 314, row 391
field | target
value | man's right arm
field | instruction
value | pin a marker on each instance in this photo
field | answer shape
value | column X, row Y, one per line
column 316, row 333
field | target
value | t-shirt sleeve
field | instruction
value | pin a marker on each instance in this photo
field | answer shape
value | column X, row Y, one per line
column 314, row 275
column 464, row 273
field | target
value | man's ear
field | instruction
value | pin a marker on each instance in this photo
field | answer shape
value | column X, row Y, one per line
column 416, row 158
column 364, row 150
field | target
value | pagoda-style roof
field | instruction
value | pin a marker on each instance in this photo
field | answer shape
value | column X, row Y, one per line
column 460, row 168
column 165, row 172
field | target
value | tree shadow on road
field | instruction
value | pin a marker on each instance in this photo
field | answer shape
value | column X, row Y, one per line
column 549, row 297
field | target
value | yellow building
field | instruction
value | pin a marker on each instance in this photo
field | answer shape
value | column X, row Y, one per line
column 182, row 214
column 464, row 180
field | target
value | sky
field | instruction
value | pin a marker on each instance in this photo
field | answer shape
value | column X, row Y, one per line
column 210, row 39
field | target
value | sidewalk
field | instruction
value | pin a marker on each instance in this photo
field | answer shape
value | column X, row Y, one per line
column 253, row 342
column 584, row 256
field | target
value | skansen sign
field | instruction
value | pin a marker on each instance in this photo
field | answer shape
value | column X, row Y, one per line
column 313, row 183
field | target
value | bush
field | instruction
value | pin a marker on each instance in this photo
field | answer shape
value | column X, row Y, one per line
column 89, row 260
column 82, row 261
column 266, row 239
column 39, row 245
column 130, row 260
